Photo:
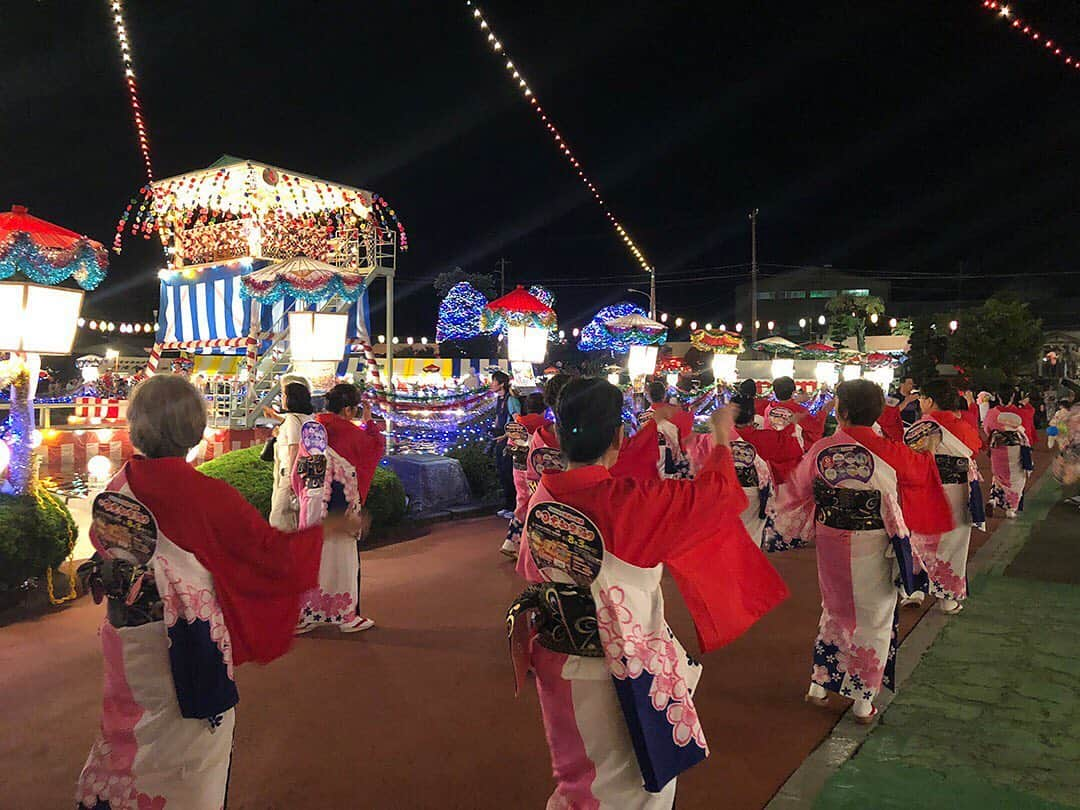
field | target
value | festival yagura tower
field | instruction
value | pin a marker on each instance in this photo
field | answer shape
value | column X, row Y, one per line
column 236, row 217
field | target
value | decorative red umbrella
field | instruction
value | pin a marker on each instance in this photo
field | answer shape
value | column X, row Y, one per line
column 46, row 253
column 518, row 307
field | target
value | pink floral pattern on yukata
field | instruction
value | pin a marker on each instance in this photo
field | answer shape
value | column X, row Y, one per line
column 190, row 602
column 944, row 583
column 328, row 607
column 99, row 783
column 630, row 652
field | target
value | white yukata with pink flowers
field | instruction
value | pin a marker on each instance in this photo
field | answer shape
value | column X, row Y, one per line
column 167, row 728
column 854, row 652
column 1010, row 459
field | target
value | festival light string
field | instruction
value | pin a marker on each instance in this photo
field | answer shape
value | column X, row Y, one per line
column 1003, row 10
column 557, row 137
column 132, row 86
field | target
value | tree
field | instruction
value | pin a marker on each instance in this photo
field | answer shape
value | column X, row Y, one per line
column 459, row 313
column 849, row 315
column 1000, row 340
column 927, row 349
column 484, row 282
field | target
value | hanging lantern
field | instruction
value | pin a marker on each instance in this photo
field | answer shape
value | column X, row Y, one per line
column 526, row 344
column 883, row 376
column 852, row 372
column 642, row 361
column 723, row 367
column 827, row 374
column 317, row 337
column 34, row 318
column 782, row 367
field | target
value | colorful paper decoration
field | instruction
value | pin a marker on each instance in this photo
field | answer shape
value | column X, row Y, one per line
column 636, row 329
column 716, row 340
column 596, row 337
column 302, row 278
column 48, row 254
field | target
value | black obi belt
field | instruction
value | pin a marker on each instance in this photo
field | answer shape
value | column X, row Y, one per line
column 952, row 469
column 748, row 476
column 853, row 510
column 563, row 617
column 117, row 580
column 1004, row 438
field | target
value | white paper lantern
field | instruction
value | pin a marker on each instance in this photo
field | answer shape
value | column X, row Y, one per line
column 827, row 374
column 882, row 376
column 642, row 361
column 782, row 367
column 38, row 319
column 723, row 367
column 526, row 344
column 317, row 337
column 852, row 372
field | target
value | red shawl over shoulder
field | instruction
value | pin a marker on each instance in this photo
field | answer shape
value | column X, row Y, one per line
column 960, row 428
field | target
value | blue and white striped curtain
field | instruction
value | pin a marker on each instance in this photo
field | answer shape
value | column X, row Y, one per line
column 209, row 307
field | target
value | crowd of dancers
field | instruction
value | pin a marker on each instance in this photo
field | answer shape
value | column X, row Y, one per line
column 606, row 495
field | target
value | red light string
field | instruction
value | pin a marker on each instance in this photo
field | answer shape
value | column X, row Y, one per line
column 1003, row 10
column 560, row 142
column 133, row 90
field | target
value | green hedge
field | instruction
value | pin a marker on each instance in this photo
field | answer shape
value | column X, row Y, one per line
column 33, row 537
column 254, row 479
column 479, row 469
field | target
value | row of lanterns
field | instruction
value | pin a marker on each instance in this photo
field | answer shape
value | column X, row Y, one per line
column 123, row 328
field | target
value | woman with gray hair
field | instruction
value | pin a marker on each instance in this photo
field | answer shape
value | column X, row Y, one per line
column 197, row 582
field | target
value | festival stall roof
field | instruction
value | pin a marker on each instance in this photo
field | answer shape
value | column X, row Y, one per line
column 239, row 184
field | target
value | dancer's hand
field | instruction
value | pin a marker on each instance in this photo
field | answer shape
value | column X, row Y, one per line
column 723, row 422
column 365, row 414
column 342, row 524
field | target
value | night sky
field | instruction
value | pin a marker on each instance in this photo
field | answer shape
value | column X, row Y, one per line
column 910, row 140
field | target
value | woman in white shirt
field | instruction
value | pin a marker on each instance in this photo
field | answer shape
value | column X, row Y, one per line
column 284, row 504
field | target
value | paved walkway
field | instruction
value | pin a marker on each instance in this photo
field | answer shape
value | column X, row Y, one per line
column 419, row 712
column 991, row 716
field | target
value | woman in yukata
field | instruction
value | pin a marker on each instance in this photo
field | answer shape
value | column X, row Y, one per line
column 1010, row 451
column 196, row 583
column 858, row 496
column 943, row 557
column 616, row 687
column 297, row 424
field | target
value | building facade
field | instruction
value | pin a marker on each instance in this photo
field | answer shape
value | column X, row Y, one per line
column 795, row 300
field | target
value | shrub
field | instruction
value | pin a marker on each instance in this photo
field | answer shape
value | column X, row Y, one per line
column 246, row 473
column 254, row 479
column 479, row 469
column 34, row 536
column 386, row 500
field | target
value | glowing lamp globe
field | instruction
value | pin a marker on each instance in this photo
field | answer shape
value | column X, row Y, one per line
column 39, row 319
column 826, row 374
column 642, row 360
column 98, row 469
column 782, row 367
column 723, row 367
column 852, row 372
column 526, row 344
column 317, row 337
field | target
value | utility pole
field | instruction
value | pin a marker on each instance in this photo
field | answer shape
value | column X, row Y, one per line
column 652, row 293
column 501, row 264
column 753, row 276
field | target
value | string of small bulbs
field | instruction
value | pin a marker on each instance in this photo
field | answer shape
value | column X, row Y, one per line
column 1048, row 45
column 132, row 86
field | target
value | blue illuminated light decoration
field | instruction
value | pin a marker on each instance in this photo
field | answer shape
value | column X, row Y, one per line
column 595, row 337
column 83, row 263
column 543, row 294
column 459, row 313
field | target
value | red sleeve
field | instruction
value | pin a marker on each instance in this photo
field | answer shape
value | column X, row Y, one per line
column 922, row 497
column 689, row 510
column 961, row 429
column 761, row 405
column 891, row 423
column 813, row 427
column 695, row 529
column 776, row 446
column 684, row 422
column 259, row 574
column 638, row 455
column 373, row 446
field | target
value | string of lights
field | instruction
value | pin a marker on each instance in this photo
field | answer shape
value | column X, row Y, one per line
column 1047, row 44
column 132, row 86
column 557, row 137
